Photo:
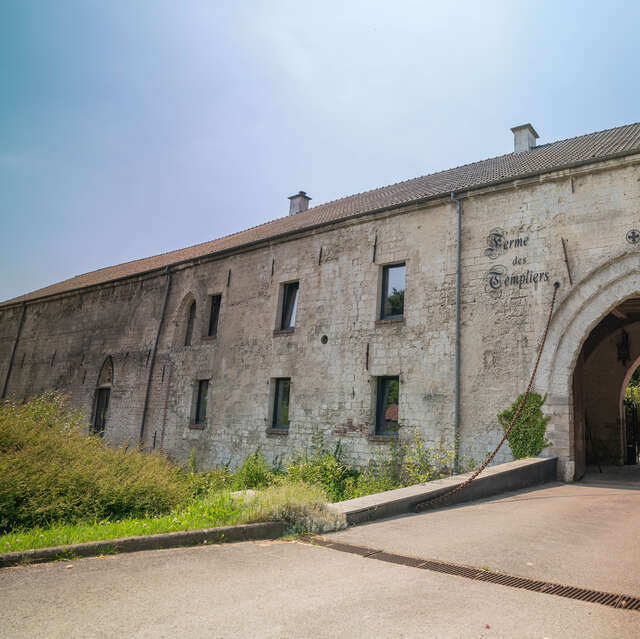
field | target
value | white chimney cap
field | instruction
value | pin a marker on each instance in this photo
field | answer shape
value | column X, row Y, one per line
column 298, row 202
column 524, row 138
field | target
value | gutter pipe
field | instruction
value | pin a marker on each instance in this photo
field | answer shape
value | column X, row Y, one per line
column 153, row 355
column 456, row 399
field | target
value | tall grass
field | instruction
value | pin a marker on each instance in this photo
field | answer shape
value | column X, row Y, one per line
column 51, row 472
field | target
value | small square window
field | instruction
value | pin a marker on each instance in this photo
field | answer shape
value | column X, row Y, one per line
column 289, row 305
column 200, row 412
column 214, row 313
column 281, row 403
column 387, row 405
column 392, row 299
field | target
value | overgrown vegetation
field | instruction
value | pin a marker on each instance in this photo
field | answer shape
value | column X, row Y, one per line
column 59, row 485
column 632, row 392
column 527, row 437
column 51, row 472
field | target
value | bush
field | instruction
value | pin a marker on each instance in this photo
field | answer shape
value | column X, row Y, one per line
column 50, row 471
column 301, row 506
column 255, row 472
column 527, row 437
column 321, row 467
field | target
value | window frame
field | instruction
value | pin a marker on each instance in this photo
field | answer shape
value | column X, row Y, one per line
column 287, row 287
column 201, row 399
column 215, row 305
column 384, row 291
column 380, row 421
column 278, row 382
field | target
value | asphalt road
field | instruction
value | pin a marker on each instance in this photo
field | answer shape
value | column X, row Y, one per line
column 585, row 535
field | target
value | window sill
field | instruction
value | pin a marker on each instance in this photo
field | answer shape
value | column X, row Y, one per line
column 197, row 426
column 277, row 432
column 284, row 331
column 209, row 338
column 390, row 320
column 382, row 438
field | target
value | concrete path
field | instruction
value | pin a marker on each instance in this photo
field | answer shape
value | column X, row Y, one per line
column 279, row 589
column 581, row 534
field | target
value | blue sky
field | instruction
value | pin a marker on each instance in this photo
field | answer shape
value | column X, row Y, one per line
column 130, row 128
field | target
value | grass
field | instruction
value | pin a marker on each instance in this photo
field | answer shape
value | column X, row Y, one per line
column 51, row 471
column 60, row 486
column 300, row 506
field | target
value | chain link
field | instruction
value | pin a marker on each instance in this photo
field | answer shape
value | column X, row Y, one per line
column 436, row 500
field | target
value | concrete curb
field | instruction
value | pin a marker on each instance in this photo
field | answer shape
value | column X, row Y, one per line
column 497, row 479
column 221, row 534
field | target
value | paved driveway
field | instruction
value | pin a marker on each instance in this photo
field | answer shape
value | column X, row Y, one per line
column 579, row 534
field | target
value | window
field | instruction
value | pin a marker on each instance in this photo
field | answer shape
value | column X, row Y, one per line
column 387, row 405
column 200, row 413
column 289, row 305
column 213, row 315
column 392, row 300
column 281, row 403
column 191, row 319
column 103, row 391
column 102, row 406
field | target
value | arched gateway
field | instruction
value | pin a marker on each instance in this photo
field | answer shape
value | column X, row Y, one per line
column 592, row 348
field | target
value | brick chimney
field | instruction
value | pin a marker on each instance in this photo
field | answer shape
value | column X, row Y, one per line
column 524, row 138
column 298, row 203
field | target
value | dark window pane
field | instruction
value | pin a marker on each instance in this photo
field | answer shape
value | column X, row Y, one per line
column 281, row 403
column 213, row 317
column 201, row 402
column 190, row 322
column 393, row 291
column 387, row 405
column 102, row 406
column 289, row 305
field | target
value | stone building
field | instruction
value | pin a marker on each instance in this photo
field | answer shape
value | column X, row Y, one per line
column 348, row 318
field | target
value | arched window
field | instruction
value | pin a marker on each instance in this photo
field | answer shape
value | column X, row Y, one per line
column 190, row 322
column 101, row 401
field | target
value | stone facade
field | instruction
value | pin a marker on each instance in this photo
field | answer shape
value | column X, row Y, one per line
column 512, row 253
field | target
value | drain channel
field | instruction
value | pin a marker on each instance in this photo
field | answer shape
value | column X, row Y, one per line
column 622, row 602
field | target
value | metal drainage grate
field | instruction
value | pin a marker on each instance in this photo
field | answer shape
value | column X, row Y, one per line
column 624, row 602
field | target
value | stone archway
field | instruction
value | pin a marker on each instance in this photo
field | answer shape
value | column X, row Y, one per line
column 581, row 310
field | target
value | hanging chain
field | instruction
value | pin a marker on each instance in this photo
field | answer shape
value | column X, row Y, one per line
column 431, row 502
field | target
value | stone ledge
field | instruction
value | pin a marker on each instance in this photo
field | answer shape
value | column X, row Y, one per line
column 283, row 331
column 497, row 479
column 221, row 534
column 277, row 432
column 390, row 321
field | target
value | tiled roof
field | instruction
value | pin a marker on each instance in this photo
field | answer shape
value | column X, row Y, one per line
column 592, row 147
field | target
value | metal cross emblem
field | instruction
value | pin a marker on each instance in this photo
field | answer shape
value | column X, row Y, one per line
column 633, row 236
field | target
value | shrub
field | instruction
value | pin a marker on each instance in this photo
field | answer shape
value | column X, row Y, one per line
column 51, row 471
column 527, row 437
column 422, row 463
column 255, row 472
column 321, row 467
column 301, row 506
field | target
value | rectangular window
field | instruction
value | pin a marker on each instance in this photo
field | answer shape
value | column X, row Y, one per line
column 387, row 405
column 392, row 300
column 281, row 403
column 191, row 318
column 201, row 402
column 214, row 314
column 289, row 305
column 102, row 406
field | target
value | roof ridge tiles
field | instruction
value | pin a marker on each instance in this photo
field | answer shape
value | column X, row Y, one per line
column 544, row 158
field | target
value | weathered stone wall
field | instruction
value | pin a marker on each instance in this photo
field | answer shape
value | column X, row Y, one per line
column 65, row 341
